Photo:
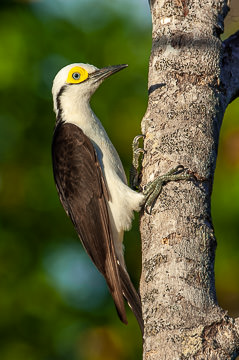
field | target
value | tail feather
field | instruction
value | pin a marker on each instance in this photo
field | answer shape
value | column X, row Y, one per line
column 112, row 277
column 131, row 296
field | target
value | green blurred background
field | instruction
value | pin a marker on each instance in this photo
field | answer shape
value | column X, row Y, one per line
column 53, row 303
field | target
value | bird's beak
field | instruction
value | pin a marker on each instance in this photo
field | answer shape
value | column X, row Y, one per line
column 105, row 72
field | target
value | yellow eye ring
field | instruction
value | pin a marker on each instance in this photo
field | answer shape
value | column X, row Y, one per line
column 77, row 75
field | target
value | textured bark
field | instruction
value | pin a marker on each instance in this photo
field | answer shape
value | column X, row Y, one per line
column 192, row 78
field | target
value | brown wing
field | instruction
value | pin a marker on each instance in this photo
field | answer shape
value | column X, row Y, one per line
column 82, row 192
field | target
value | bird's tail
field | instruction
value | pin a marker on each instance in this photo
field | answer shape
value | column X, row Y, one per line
column 131, row 295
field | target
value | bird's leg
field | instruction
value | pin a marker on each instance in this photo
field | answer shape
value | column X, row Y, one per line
column 154, row 188
column 135, row 172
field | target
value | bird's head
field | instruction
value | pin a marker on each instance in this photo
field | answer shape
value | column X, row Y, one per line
column 79, row 81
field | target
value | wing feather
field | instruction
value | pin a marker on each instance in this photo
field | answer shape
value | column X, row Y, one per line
column 83, row 194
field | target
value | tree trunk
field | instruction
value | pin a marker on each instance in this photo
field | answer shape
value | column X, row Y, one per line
column 192, row 78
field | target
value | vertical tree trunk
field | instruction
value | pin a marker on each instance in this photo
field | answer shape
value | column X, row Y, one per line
column 192, row 78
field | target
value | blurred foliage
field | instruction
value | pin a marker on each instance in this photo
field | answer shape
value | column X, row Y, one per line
column 53, row 304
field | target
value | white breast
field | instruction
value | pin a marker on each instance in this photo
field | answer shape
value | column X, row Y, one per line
column 123, row 200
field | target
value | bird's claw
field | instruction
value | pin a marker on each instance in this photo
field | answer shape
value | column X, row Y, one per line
column 154, row 188
column 135, row 173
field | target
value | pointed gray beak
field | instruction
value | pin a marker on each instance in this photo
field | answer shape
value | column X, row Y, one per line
column 105, row 72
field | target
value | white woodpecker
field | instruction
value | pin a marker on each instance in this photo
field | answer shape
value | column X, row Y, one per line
column 91, row 181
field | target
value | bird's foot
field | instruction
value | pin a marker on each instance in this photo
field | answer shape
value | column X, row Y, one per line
column 154, row 188
column 135, row 171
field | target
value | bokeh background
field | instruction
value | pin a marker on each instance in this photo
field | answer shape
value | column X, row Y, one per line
column 53, row 303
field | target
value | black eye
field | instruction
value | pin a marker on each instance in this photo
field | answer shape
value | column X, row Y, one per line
column 76, row 76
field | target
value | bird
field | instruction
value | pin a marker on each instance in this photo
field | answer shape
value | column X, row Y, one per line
column 91, row 182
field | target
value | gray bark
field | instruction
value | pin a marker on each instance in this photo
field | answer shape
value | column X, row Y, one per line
column 192, row 78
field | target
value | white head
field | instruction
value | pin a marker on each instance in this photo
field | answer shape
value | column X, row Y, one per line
column 79, row 81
